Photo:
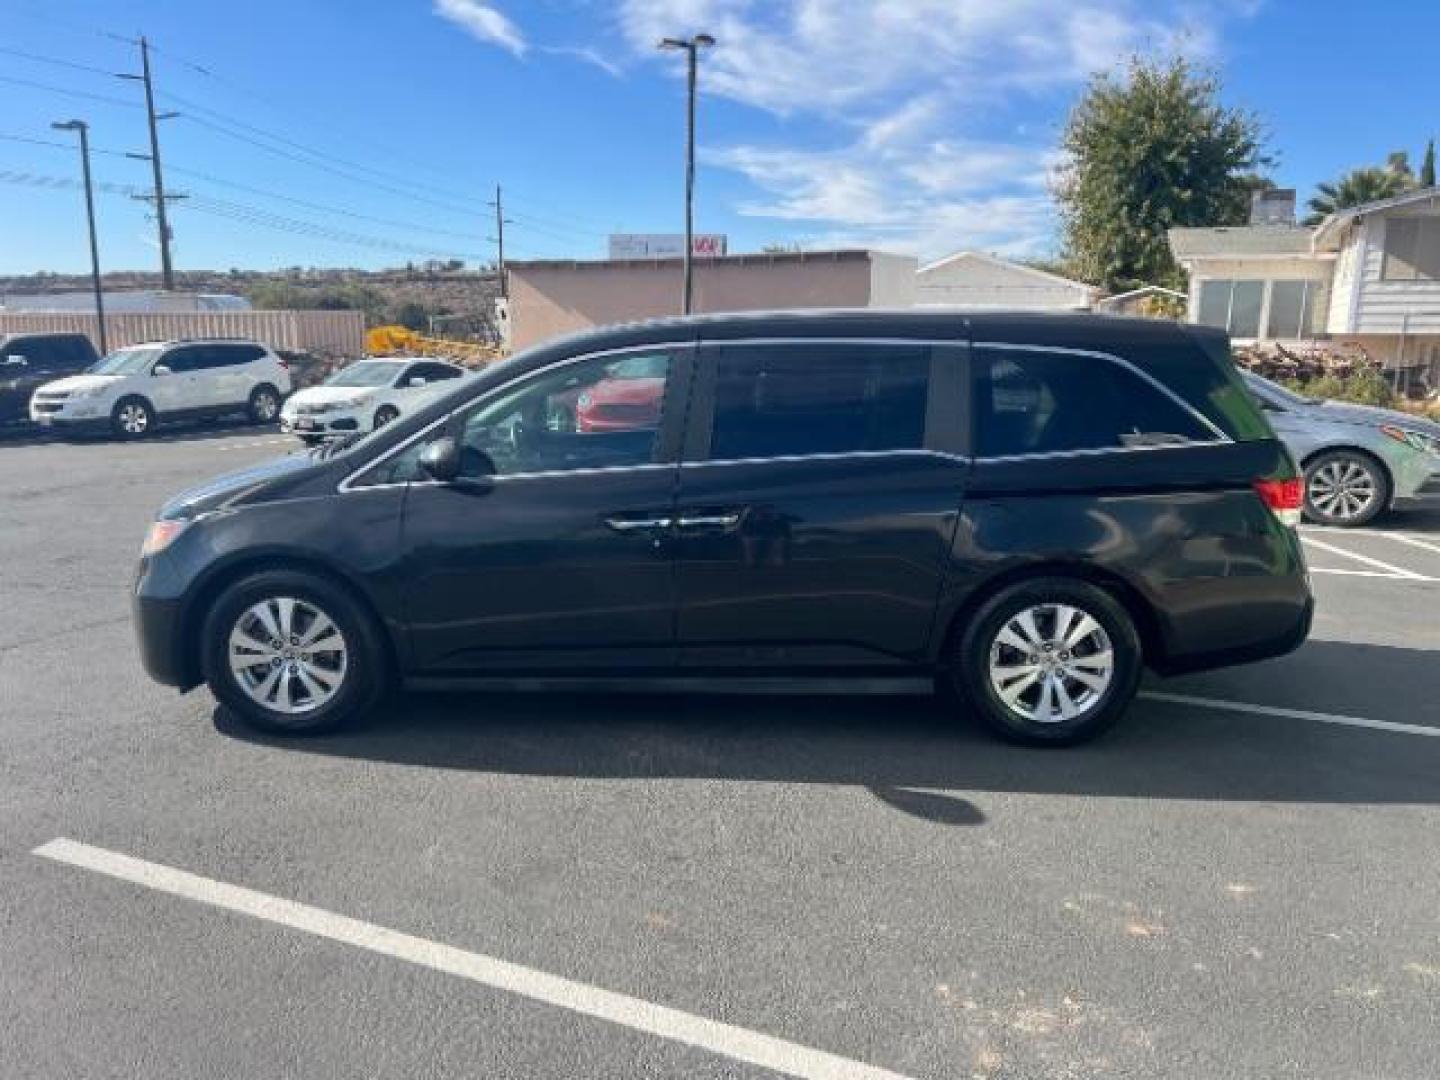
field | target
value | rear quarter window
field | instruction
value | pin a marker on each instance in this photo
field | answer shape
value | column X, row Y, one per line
column 1033, row 401
column 1201, row 371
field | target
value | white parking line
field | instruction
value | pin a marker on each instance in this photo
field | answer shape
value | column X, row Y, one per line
column 1413, row 541
column 1292, row 714
column 1382, row 574
column 1395, row 571
column 726, row 1040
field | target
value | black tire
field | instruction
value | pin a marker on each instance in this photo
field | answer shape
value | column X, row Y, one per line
column 1345, row 488
column 264, row 404
column 132, row 418
column 365, row 674
column 970, row 663
column 385, row 414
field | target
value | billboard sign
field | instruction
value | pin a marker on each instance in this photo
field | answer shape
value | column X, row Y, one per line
column 665, row 245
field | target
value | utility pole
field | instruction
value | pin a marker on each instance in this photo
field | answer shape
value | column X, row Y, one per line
column 157, row 196
column 83, row 129
column 499, row 240
column 692, row 47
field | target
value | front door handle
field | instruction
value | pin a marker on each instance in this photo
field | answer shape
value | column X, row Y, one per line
column 629, row 524
column 709, row 521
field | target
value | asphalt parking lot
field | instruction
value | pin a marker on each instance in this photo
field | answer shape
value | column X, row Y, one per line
column 1240, row 881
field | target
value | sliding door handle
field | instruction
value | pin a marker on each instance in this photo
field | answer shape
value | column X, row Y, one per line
column 624, row 524
column 709, row 521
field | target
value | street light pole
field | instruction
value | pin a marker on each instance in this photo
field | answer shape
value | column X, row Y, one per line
column 692, row 47
column 84, row 129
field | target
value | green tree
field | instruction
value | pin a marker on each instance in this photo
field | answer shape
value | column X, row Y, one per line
column 1150, row 152
column 1427, row 167
column 1354, row 189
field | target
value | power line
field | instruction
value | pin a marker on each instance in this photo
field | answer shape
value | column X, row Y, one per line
column 58, row 145
column 71, row 93
column 55, row 60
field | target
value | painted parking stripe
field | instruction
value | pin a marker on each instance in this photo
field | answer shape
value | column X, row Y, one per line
column 1384, row 575
column 1397, row 571
column 1413, row 541
column 1291, row 714
column 727, row 1040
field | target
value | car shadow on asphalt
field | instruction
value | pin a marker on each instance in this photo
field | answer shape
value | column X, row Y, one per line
column 910, row 752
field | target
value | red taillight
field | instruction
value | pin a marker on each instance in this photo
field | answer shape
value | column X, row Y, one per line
column 1285, row 498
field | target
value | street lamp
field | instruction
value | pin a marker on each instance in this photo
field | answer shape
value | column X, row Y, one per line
column 84, row 130
column 692, row 47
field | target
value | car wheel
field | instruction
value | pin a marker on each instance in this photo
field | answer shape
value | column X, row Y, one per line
column 1345, row 488
column 292, row 653
column 1048, row 662
column 385, row 414
column 132, row 418
column 264, row 405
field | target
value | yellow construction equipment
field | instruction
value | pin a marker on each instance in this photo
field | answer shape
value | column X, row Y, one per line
column 402, row 341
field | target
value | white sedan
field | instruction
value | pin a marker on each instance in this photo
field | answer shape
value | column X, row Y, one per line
column 366, row 395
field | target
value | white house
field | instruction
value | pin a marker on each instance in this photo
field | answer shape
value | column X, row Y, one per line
column 1366, row 276
column 972, row 279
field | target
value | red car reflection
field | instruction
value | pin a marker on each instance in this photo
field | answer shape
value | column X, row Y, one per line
column 628, row 399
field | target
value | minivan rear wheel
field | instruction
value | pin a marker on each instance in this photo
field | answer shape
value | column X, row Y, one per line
column 292, row 653
column 1048, row 662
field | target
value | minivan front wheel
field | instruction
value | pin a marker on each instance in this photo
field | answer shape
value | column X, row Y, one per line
column 292, row 653
column 1049, row 662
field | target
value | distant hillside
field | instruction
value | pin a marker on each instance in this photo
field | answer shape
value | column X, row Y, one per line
column 461, row 301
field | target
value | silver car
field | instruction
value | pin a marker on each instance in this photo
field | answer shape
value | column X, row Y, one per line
column 1359, row 461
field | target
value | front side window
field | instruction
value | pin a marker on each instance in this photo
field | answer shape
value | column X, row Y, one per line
column 789, row 400
column 583, row 415
column 1037, row 402
column 128, row 361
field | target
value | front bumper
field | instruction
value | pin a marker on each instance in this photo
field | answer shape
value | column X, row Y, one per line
column 318, row 425
column 70, row 415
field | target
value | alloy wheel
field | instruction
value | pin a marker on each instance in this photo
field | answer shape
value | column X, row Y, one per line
column 288, row 655
column 266, row 406
column 1342, row 489
column 134, row 418
column 1051, row 663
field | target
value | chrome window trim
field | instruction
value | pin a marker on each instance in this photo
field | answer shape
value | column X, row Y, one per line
column 1119, row 361
column 346, row 486
column 835, row 455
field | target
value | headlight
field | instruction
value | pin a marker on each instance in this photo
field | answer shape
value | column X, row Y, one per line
column 161, row 535
column 1416, row 440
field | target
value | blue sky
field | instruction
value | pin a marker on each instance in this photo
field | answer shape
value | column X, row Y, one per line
column 369, row 132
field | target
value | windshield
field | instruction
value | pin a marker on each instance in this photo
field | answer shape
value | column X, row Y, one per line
column 129, row 361
column 1276, row 391
column 365, row 373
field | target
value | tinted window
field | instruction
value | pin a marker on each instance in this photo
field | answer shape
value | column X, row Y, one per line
column 790, row 400
column 234, row 355
column 76, row 354
column 180, row 361
column 1044, row 403
column 584, row 415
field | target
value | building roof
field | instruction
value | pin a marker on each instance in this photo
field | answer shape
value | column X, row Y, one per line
column 1327, row 235
column 1240, row 241
column 1144, row 290
column 756, row 259
column 1018, row 268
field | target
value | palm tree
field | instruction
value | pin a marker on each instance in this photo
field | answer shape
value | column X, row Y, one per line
column 1355, row 188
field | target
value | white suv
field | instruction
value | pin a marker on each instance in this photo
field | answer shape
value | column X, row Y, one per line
column 366, row 395
column 134, row 388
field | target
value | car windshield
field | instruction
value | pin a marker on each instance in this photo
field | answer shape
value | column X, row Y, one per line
column 365, row 373
column 129, row 361
column 1276, row 391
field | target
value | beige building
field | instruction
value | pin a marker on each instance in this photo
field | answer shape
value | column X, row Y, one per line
column 1366, row 276
column 553, row 297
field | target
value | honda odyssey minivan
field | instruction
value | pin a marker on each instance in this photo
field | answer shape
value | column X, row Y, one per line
column 1030, row 509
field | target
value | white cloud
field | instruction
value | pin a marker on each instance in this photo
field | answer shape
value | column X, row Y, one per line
column 904, row 88
column 484, row 23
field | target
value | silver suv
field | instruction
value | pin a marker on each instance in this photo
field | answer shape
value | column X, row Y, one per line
column 1359, row 461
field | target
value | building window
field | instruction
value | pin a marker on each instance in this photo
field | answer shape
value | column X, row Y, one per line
column 1240, row 307
column 1233, row 306
column 1290, row 303
column 1412, row 249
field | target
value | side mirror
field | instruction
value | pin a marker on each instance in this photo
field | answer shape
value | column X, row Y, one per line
column 417, row 381
column 161, row 369
column 17, row 359
column 440, row 460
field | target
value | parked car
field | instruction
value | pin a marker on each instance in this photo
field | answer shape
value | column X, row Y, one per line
column 138, row 387
column 1359, row 461
column 630, row 395
column 28, row 361
column 1028, row 508
column 365, row 395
